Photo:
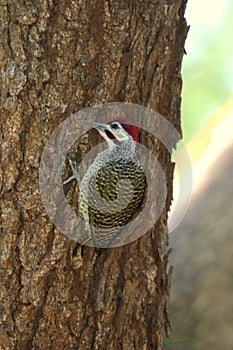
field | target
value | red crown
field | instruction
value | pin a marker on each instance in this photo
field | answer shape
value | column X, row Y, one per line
column 132, row 130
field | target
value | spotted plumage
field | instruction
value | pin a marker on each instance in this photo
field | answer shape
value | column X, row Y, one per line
column 113, row 187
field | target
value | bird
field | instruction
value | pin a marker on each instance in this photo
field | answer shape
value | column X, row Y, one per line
column 113, row 188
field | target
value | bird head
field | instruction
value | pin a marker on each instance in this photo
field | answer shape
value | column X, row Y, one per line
column 117, row 131
column 132, row 130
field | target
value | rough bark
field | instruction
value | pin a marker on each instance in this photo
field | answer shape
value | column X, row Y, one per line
column 58, row 57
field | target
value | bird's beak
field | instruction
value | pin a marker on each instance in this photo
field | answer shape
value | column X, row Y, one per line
column 103, row 129
column 99, row 126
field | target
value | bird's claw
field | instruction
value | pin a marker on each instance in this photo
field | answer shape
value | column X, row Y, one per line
column 75, row 176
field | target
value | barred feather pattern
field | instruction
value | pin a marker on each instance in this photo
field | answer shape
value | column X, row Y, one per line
column 111, row 192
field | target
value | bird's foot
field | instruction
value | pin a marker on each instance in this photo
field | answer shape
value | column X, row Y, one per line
column 74, row 168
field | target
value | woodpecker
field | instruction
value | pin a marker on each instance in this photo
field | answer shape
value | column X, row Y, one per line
column 113, row 187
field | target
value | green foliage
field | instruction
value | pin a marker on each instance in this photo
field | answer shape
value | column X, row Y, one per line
column 207, row 71
column 177, row 342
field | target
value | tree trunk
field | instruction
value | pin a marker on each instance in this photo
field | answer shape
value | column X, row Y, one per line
column 58, row 57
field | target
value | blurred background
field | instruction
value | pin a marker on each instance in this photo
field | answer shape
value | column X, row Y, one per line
column 208, row 66
column 202, row 244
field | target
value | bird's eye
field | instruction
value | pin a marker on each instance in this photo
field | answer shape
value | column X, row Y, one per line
column 114, row 126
